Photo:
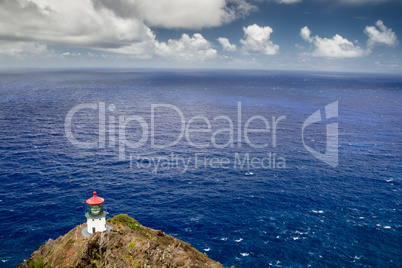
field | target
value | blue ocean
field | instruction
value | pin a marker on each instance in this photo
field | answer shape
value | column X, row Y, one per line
column 225, row 160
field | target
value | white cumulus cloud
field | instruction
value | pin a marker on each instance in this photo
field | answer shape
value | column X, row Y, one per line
column 119, row 26
column 380, row 34
column 339, row 47
column 305, row 33
column 335, row 47
column 257, row 40
column 195, row 48
column 226, row 45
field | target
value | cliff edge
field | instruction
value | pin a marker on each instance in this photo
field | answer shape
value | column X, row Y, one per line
column 128, row 244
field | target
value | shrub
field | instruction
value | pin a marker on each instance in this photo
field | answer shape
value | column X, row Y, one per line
column 38, row 263
column 130, row 222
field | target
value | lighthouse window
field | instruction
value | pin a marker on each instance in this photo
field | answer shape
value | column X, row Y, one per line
column 95, row 209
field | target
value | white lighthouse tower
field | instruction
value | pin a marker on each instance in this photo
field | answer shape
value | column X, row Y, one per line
column 96, row 215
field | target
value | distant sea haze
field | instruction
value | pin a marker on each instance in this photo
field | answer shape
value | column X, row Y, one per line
column 254, row 168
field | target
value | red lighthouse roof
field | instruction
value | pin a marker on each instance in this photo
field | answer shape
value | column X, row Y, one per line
column 95, row 200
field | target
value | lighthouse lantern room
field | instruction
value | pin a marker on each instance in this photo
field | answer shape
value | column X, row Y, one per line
column 96, row 215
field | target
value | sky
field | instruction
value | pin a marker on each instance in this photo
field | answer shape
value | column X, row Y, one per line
column 325, row 35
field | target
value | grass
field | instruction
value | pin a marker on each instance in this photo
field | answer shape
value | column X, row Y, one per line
column 131, row 245
column 132, row 224
column 38, row 263
column 149, row 236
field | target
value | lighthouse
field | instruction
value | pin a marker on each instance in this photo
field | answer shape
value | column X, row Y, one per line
column 96, row 215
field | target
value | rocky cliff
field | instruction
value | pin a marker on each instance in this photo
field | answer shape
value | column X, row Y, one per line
column 128, row 244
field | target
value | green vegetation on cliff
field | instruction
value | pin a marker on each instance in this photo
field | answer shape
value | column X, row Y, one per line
column 128, row 244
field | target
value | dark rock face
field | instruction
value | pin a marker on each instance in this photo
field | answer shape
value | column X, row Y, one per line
column 129, row 244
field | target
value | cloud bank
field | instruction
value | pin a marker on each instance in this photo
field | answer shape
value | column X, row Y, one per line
column 339, row 47
column 120, row 26
column 188, row 14
column 121, row 29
